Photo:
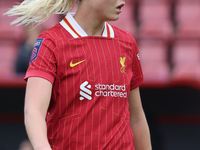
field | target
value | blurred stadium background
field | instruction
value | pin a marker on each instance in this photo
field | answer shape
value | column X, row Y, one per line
column 168, row 37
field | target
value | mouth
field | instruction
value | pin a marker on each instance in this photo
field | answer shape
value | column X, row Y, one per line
column 120, row 7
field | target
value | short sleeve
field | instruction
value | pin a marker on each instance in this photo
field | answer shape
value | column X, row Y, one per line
column 137, row 78
column 43, row 59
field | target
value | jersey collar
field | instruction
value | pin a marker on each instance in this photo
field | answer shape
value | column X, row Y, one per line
column 70, row 24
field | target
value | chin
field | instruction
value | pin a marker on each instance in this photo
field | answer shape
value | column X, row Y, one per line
column 113, row 18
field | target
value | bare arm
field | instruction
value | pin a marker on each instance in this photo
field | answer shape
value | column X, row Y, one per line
column 138, row 122
column 38, row 93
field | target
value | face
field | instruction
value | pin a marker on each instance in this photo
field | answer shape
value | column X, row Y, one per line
column 106, row 10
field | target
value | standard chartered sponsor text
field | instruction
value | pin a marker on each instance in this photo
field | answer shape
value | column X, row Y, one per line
column 110, row 90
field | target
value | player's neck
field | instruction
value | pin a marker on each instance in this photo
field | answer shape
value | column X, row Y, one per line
column 89, row 23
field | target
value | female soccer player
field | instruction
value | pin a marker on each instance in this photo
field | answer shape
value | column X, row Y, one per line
column 83, row 78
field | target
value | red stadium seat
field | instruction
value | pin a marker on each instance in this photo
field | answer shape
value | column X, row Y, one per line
column 186, row 52
column 156, row 1
column 186, row 74
column 12, row 33
column 8, row 54
column 188, row 30
column 154, row 61
column 189, row 12
column 187, row 1
column 186, row 63
column 155, row 73
column 152, row 51
column 187, row 15
column 7, row 31
column 156, row 29
column 155, row 21
column 152, row 12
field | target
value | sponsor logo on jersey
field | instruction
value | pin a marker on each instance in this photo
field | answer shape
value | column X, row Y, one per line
column 36, row 49
column 75, row 64
column 112, row 90
column 85, row 92
column 122, row 62
column 104, row 90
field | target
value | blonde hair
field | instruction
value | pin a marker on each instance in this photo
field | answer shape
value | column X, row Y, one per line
column 38, row 11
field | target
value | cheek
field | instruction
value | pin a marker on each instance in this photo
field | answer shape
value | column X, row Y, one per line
column 102, row 4
column 96, row 5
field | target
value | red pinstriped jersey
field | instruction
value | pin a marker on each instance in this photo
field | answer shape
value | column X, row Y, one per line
column 92, row 78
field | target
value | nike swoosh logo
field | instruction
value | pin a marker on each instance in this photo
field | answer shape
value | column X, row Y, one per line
column 73, row 65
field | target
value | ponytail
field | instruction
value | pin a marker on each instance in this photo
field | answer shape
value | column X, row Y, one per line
column 38, row 11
